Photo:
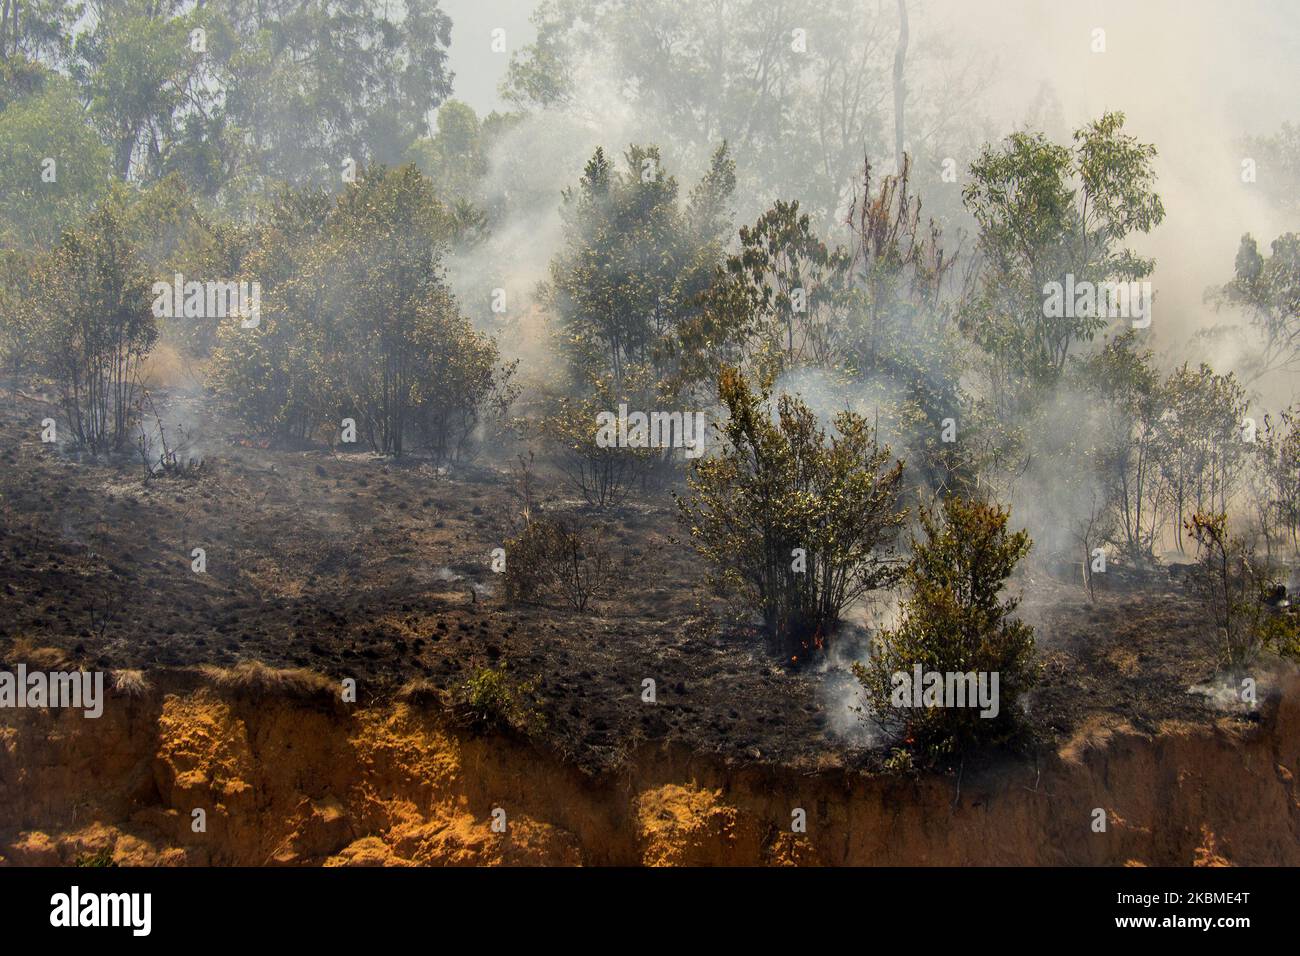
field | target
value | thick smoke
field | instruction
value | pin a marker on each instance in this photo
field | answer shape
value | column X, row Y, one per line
column 1176, row 71
column 976, row 70
column 1173, row 67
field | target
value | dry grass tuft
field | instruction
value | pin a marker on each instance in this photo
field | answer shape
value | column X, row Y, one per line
column 23, row 650
column 423, row 693
column 131, row 683
column 255, row 681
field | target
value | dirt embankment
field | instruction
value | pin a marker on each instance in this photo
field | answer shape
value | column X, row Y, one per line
column 301, row 779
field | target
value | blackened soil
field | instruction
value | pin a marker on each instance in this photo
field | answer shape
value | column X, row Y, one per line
column 354, row 566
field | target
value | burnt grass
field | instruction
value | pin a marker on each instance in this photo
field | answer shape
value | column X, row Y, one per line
column 355, row 566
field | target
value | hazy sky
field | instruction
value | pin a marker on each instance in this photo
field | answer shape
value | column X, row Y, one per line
column 478, row 70
column 1192, row 76
column 1148, row 40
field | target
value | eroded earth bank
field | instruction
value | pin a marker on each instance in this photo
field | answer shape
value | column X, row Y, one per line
column 294, row 777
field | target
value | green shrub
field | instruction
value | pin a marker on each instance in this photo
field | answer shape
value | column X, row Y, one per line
column 358, row 321
column 490, row 700
column 778, row 488
column 96, row 328
column 1232, row 588
column 954, row 622
column 528, row 561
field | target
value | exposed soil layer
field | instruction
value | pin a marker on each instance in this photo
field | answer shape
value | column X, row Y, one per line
column 359, row 568
column 295, row 777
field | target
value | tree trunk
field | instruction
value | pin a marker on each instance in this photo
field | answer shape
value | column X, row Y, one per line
column 900, row 57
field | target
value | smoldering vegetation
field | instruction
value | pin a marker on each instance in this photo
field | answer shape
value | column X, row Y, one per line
column 836, row 230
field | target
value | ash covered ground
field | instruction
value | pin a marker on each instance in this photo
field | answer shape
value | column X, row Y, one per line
column 353, row 566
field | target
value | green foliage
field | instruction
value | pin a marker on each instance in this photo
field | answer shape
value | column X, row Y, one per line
column 781, row 485
column 1277, row 631
column 388, row 302
column 871, row 324
column 1201, row 453
column 694, row 74
column 634, row 263
column 541, row 74
column 601, row 475
column 900, row 761
column 490, row 700
column 527, row 555
column 208, row 247
column 270, row 377
column 788, row 280
column 316, row 83
column 95, row 326
column 277, row 91
column 357, row 321
column 1276, row 478
column 18, row 318
column 570, row 429
column 780, row 255
column 46, row 123
column 455, row 157
column 1124, row 382
column 1231, row 590
column 1045, row 211
column 1267, row 288
column 164, row 221
column 35, row 30
column 1157, row 449
column 138, row 72
column 954, row 620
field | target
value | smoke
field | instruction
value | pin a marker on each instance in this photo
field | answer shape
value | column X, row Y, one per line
column 1193, row 77
column 1196, row 78
column 838, row 692
column 1055, row 496
column 529, row 166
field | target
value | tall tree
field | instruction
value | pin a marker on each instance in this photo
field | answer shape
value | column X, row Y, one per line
column 1267, row 289
column 635, row 261
column 794, row 87
column 900, row 84
column 53, row 167
column 1045, row 211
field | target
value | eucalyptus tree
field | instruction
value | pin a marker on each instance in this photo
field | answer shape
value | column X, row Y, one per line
column 1048, row 213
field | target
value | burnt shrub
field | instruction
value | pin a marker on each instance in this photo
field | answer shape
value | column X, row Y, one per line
column 562, row 559
column 794, row 521
column 583, row 566
column 603, row 476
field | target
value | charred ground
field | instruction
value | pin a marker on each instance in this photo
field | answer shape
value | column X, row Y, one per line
column 354, row 566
